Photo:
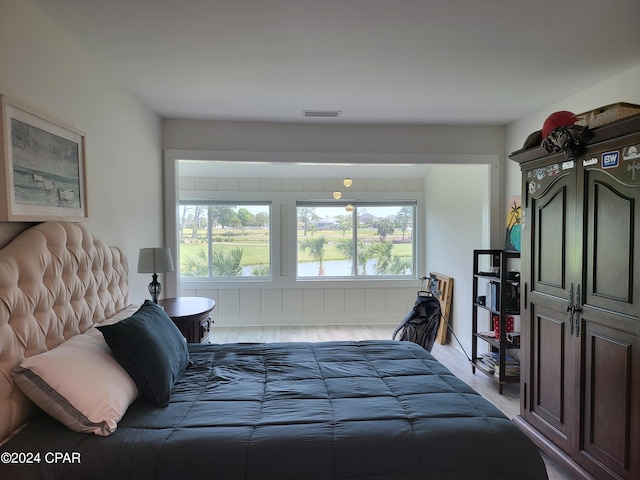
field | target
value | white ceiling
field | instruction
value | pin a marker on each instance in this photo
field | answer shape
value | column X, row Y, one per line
column 376, row 61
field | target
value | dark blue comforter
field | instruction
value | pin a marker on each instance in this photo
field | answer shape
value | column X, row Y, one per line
column 334, row 410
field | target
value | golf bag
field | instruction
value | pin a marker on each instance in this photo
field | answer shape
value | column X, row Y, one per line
column 421, row 323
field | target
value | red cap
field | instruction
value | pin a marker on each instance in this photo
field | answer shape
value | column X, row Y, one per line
column 558, row 119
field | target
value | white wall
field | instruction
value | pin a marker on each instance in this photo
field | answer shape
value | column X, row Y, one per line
column 379, row 143
column 375, row 139
column 44, row 68
column 283, row 300
column 469, row 199
column 624, row 87
column 457, row 222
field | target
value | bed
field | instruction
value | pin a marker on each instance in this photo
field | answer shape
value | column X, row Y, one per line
column 328, row 410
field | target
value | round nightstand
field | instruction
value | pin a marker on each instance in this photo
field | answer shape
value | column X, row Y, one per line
column 191, row 316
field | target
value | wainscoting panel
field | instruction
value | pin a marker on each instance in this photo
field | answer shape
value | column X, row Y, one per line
column 310, row 306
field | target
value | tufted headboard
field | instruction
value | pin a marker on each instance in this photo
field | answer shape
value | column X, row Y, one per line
column 56, row 280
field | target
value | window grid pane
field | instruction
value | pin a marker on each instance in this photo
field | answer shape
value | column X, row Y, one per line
column 371, row 241
column 224, row 241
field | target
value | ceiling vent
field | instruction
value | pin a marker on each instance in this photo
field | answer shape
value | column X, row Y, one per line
column 321, row 113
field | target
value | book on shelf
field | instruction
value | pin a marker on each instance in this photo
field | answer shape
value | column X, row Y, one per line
column 508, row 372
column 491, row 361
column 495, row 357
column 490, row 334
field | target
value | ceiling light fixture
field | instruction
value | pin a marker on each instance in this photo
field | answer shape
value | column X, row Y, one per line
column 347, row 182
column 337, row 195
column 348, row 207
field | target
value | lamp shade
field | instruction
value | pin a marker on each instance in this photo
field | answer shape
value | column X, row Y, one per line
column 155, row 260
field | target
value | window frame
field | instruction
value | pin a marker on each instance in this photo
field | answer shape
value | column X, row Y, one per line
column 224, row 279
column 354, row 237
column 283, row 195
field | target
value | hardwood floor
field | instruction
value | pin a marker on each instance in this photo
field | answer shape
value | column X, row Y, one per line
column 453, row 358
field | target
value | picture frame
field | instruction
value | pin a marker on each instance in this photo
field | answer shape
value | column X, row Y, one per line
column 515, row 221
column 42, row 167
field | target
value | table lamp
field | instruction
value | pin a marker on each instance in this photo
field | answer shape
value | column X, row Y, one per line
column 155, row 260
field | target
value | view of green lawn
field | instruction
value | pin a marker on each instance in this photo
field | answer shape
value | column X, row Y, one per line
column 254, row 243
column 237, row 241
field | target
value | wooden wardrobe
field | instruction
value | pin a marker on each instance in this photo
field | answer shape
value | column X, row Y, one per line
column 580, row 302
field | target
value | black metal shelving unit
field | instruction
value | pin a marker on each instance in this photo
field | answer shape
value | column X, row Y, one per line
column 492, row 274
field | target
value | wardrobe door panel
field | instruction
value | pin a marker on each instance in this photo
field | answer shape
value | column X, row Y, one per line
column 550, row 258
column 551, row 210
column 609, row 324
column 609, row 415
column 549, row 385
column 612, row 233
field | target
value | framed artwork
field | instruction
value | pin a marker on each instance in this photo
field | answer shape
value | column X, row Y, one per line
column 514, row 224
column 42, row 167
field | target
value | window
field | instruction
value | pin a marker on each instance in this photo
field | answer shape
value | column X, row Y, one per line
column 372, row 240
column 219, row 240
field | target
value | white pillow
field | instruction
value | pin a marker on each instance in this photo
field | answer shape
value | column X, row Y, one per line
column 79, row 383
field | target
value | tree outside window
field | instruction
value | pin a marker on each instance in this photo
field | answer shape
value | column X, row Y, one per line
column 374, row 240
column 218, row 240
